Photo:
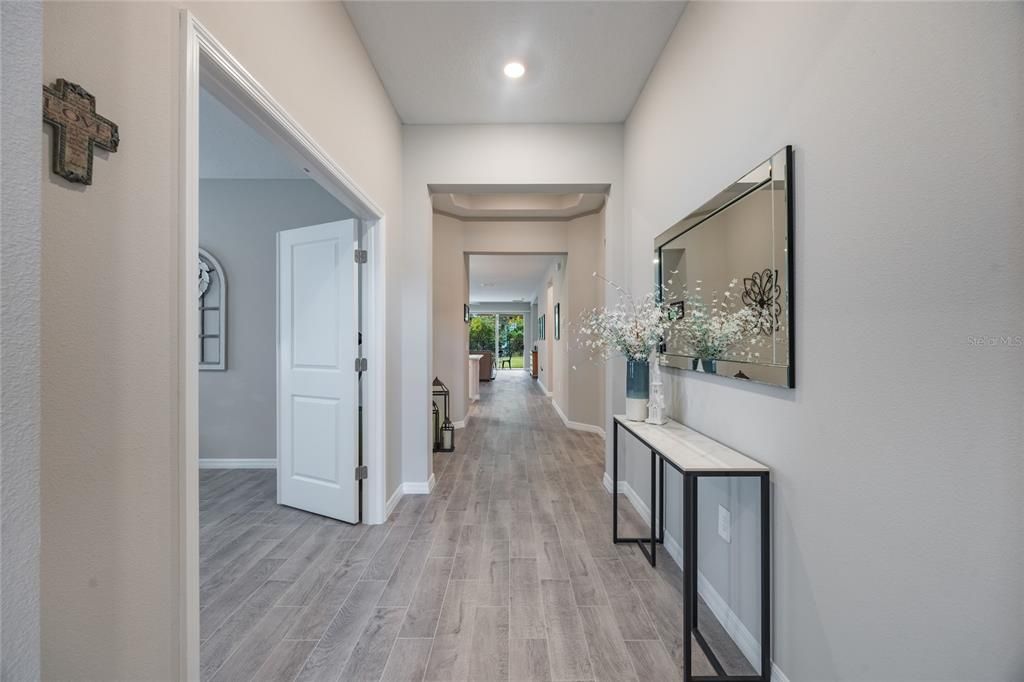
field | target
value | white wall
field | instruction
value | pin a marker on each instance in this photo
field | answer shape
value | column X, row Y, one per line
column 500, row 307
column 111, row 562
column 451, row 280
column 897, row 465
column 551, row 353
column 21, row 32
column 584, row 373
column 486, row 154
column 238, row 223
column 535, row 314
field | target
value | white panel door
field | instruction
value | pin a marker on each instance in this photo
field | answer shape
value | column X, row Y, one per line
column 317, row 385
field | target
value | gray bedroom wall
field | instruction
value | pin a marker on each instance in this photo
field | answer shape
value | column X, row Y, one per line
column 238, row 221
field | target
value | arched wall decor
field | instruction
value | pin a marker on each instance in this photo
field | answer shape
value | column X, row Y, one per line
column 213, row 319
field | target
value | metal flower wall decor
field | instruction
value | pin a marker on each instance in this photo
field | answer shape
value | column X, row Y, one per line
column 204, row 277
column 761, row 290
column 213, row 313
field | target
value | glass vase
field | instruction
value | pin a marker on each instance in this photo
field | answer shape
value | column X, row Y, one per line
column 638, row 389
column 709, row 365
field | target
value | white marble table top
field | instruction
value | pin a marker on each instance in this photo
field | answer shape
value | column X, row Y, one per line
column 475, row 358
column 688, row 449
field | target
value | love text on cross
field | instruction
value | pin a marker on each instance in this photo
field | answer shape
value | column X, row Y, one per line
column 77, row 129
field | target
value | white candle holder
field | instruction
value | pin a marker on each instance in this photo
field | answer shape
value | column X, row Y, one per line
column 656, row 402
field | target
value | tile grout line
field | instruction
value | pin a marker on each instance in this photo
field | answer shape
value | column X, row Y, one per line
column 444, row 599
column 387, row 659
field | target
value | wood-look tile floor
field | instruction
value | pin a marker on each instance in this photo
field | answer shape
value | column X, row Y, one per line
column 505, row 572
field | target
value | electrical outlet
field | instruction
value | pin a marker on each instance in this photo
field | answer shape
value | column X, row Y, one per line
column 724, row 523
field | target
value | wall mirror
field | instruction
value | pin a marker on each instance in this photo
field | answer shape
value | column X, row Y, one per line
column 735, row 252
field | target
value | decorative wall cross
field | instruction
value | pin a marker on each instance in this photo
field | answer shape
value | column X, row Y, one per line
column 78, row 128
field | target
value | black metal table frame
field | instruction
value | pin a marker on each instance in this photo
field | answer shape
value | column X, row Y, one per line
column 657, row 537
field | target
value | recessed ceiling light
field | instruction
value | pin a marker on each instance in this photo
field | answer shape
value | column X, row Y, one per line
column 514, row 70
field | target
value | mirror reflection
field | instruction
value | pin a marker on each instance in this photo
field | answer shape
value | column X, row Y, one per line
column 727, row 266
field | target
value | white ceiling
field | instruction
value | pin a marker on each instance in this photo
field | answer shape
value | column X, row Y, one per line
column 500, row 279
column 586, row 62
column 230, row 149
column 517, row 206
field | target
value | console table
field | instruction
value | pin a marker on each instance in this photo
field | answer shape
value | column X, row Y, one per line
column 473, row 369
column 694, row 455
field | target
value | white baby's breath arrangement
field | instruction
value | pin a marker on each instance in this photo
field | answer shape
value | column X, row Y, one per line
column 711, row 330
column 634, row 327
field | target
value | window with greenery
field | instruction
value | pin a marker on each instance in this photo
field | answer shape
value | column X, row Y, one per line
column 499, row 334
column 510, row 340
column 481, row 333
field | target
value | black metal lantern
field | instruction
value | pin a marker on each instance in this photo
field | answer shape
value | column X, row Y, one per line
column 437, row 426
column 447, row 436
column 444, row 437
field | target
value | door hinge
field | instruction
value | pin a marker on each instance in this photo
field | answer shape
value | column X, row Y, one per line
column 361, row 473
column 361, row 364
column 360, row 255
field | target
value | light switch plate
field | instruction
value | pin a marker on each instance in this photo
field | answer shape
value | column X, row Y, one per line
column 724, row 523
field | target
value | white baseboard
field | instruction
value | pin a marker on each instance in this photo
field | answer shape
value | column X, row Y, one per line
column 461, row 424
column 392, row 502
column 744, row 639
column 577, row 426
column 418, row 487
column 675, row 550
column 544, row 388
column 634, row 498
column 251, row 463
column 409, row 488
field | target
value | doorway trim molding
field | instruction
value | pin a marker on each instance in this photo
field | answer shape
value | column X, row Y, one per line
column 205, row 60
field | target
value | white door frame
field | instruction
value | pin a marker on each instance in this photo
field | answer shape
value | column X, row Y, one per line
column 204, row 59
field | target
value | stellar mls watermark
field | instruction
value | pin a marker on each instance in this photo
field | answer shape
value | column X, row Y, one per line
column 996, row 340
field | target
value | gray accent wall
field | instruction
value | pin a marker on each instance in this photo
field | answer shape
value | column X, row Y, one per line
column 238, row 224
column 21, row 32
column 897, row 465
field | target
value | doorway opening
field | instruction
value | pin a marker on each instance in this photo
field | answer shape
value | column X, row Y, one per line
column 273, row 234
column 515, row 262
column 503, row 291
column 284, row 342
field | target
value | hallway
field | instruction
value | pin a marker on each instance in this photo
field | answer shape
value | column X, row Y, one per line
column 506, row 571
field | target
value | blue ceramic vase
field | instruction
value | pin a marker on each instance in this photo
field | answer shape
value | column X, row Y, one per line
column 638, row 389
